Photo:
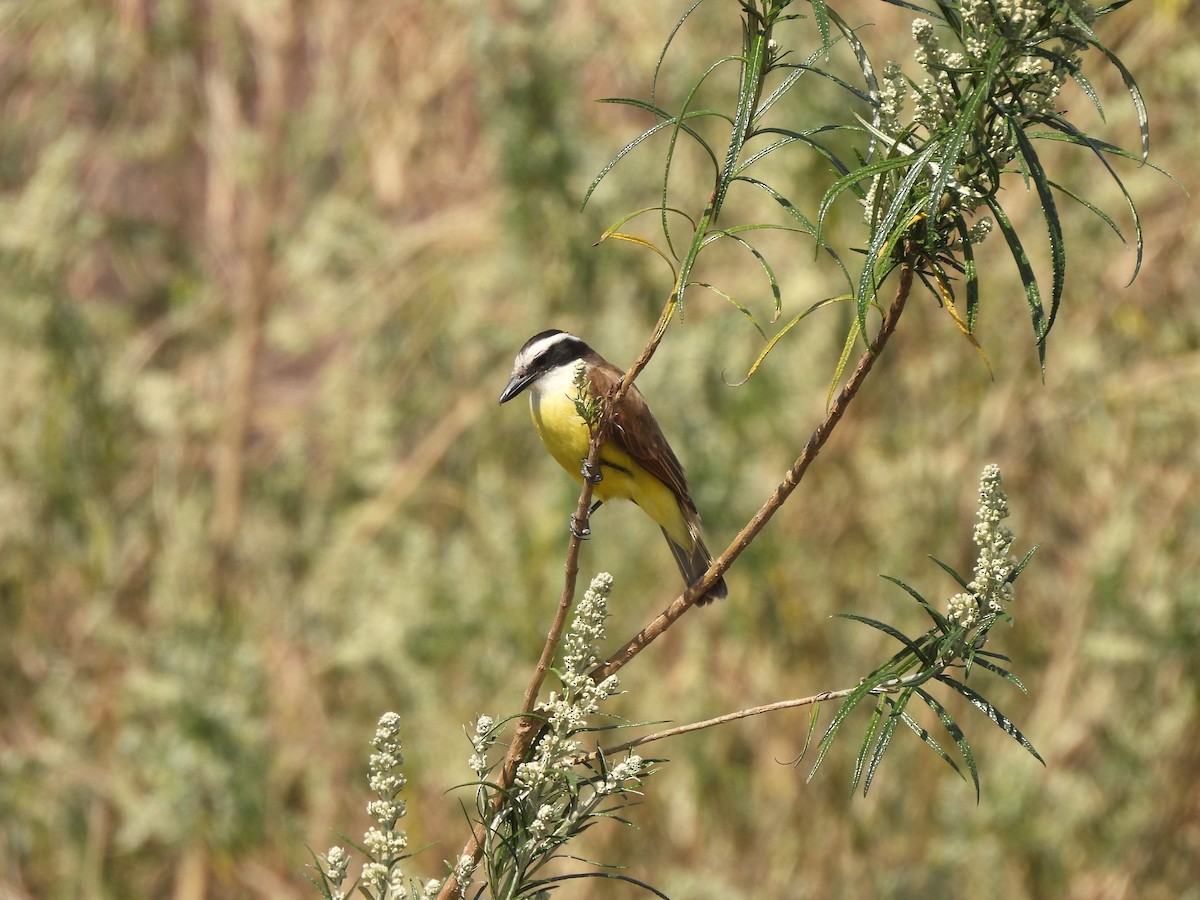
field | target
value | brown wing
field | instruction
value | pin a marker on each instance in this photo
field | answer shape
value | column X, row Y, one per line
column 636, row 432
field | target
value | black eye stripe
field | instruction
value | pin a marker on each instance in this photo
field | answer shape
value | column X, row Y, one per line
column 558, row 348
column 563, row 351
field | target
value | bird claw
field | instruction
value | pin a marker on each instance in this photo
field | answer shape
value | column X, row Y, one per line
column 579, row 528
column 593, row 476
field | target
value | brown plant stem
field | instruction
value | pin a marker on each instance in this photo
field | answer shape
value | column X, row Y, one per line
column 816, row 441
column 891, row 686
column 529, row 724
column 710, row 723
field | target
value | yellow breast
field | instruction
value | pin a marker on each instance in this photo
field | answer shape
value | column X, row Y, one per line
column 566, row 436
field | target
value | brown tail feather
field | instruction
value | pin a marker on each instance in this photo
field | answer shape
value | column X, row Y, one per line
column 693, row 564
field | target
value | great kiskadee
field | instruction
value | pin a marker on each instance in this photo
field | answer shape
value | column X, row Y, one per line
column 636, row 462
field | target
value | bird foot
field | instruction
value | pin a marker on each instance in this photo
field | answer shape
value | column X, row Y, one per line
column 594, row 476
column 580, row 528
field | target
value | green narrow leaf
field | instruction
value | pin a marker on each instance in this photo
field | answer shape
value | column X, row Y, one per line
column 1023, row 563
column 1135, row 95
column 737, row 304
column 667, row 46
column 942, row 287
column 852, row 179
column 950, row 15
column 805, row 137
column 1004, row 673
column 965, row 125
column 1058, row 252
column 848, row 343
column 857, row 94
column 895, row 716
column 821, row 14
column 628, row 217
column 781, row 90
column 887, row 629
column 805, row 223
column 1033, row 295
column 321, row 884
column 750, row 161
column 789, row 82
column 753, row 62
column 860, row 760
column 667, row 122
column 929, row 741
column 942, row 623
column 1099, row 149
column 788, row 206
column 1090, row 91
column 762, row 261
column 983, row 705
column 970, row 274
column 852, row 700
column 894, row 223
column 810, row 731
column 1084, row 202
column 670, row 160
column 783, row 331
column 956, row 733
column 962, row 582
column 860, row 53
column 912, row 7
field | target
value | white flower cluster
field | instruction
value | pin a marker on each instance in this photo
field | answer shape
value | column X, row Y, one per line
column 381, row 876
column 1046, row 36
column 586, row 406
column 936, row 99
column 462, row 870
column 383, row 767
column 385, row 844
column 891, row 97
column 581, row 697
column 482, row 739
column 991, row 589
column 335, row 863
column 980, row 229
column 994, row 540
column 964, row 609
column 1023, row 20
column 628, row 770
column 556, row 799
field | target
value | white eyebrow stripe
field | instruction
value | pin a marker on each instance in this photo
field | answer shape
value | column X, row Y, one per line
column 530, row 354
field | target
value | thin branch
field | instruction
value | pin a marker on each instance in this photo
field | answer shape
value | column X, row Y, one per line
column 643, row 359
column 891, row 686
column 793, row 477
column 529, row 725
column 709, row 723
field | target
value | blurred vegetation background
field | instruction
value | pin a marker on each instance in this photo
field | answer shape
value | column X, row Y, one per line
column 266, row 265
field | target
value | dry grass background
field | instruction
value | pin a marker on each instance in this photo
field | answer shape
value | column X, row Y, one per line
column 266, row 265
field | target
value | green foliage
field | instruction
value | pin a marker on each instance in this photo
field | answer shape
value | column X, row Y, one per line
column 972, row 126
column 955, row 640
column 922, row 180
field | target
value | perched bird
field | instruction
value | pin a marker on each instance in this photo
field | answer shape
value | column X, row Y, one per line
column 636, row 462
